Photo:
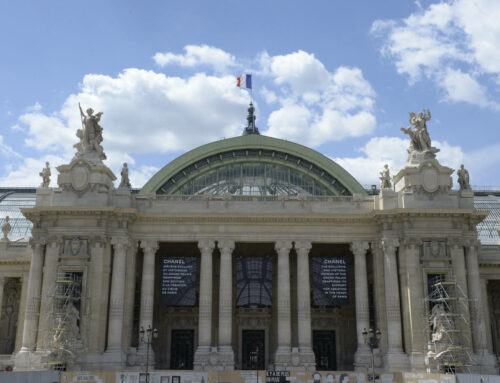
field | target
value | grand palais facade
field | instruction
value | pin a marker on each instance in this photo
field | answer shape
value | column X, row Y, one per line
column 250, row 253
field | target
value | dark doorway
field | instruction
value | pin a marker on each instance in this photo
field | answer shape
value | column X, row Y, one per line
column 324, row 350
column 253, row 350
column 182, row 350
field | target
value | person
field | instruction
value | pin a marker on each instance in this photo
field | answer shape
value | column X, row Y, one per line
column 463, row 178
column 45, row 174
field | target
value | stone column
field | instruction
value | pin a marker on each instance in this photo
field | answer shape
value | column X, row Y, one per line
column 459, row 273
column 202, row 354
column 283, row 352
column 33, row 298
column 477, row 311
column 413, row 303
column 48, row 289
column 147, row 289
column 362, row 357
column 225, row 349
column 395, row 359
column 306, row 353
column 114, row 355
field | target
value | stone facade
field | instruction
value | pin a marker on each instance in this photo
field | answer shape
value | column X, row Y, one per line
column 114, row 238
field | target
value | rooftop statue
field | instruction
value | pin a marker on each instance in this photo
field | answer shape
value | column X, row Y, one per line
column 125, row 181
column 90, row 135
column 45, row 174
column 385, row 178
column 420, row 141
column 463, row 178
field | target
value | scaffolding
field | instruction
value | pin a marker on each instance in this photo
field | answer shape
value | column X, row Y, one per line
column 63, row 337
column 448, row 349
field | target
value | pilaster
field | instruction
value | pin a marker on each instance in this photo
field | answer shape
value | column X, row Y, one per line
column 456, row 247
column 413, row 302
column 50, row 268
column 114, row 357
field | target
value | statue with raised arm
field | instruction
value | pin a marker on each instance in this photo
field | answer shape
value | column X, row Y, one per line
column 463, row 178
column 420, row 141
column 385, row 178
column 125, row 182
column 6, row 228
column 45, row 174
column 90, row 135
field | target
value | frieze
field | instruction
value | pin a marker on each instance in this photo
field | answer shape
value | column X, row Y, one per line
column 434, row 249
column 75, row 246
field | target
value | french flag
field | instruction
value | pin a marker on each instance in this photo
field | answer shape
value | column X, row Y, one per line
column 244, row 81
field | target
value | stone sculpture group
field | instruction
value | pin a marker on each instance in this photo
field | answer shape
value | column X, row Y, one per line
column 90, row 135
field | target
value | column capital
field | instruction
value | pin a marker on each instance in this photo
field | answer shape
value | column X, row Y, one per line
column 37, row 241
column 473, row 242
column 206, row 245
column 389, row 244
column 149, row 245
column 54, row 240
column 359, row 247
column 412, row 243
column 455, row 243
column 282, row 245
column 98, row 240
column 303, row 246
column 120, row 243
column 226, row 245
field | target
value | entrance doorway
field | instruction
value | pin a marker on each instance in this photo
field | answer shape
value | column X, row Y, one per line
column 253, row 351
column 182, row 350
column 324, row 350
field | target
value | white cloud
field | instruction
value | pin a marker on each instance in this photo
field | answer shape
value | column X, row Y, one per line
column 34, row 108
column 6, row 150
column 197, row 55
column 379, row 151
column 463, row 87
column 139, row 177
column 320, row 106
column 452, row 43
column 27, row 172
column 300, row 70
column 149, row 112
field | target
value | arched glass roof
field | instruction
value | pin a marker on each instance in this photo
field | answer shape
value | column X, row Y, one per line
column 253, row 165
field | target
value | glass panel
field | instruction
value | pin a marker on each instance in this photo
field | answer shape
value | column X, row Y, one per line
column 254, row 281
column 10, row 206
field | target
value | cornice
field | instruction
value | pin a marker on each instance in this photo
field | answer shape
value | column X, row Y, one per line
column 252, row 218
column 45, row 212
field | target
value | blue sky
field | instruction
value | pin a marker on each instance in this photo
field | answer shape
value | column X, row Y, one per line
column 338, row 76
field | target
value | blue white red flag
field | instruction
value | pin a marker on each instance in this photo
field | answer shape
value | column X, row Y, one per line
column 244, row 81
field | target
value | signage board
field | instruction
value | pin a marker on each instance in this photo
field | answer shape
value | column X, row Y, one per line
column 178, row 281
column 329, row 280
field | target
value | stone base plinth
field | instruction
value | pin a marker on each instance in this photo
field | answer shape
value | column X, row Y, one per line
column 205, row 358
column 396, row 361
column 113, row 360
column 484, row 363
column 220, row 360
column 27, row 360
column 417, row 361
column 363, row 360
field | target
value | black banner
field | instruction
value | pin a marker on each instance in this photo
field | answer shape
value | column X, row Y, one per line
column 178, row 281
column 329, row 279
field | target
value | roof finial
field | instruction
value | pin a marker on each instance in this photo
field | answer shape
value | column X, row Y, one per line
column 251, row 128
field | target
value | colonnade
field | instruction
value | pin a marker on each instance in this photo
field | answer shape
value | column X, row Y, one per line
column 464, row 260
